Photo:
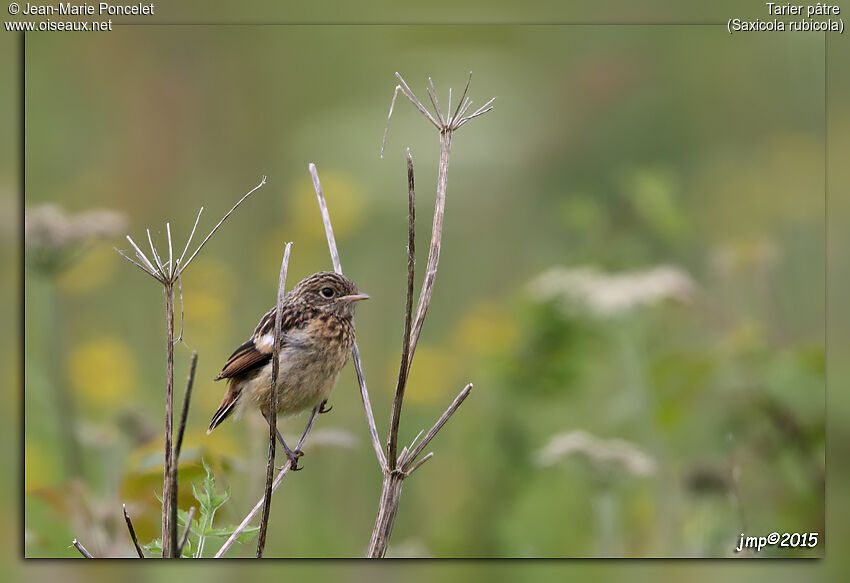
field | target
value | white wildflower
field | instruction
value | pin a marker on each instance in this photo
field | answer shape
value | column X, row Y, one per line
column 48, row 226
column 601, row 453
column 611, row 294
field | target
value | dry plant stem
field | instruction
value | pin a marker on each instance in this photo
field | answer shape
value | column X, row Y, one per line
column 355, row 351
column 82, row 549
column 132, row 532
column 171, row 473
column 387, row 509
column 281, row 286
column 397, row 469
column 436, row 239
column 415, row 451
column 183, row 266
column 168, row 274
column 184, row 413
column 391, row 486
column 176, row 268
column 169, row 486
column 420, row 463
column 186, row 532
column 446, row 128
column 404, row 367
column 277, row 482
column 182, row 316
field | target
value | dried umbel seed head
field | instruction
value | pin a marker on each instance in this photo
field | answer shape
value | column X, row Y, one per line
column 53, row 237
column 49, row 226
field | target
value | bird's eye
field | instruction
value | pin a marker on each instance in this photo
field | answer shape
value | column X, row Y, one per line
column 327, row 292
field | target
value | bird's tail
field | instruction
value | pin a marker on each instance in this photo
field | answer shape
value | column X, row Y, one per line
column 228, row 404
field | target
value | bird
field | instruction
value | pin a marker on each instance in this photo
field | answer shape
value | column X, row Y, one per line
column 316, row 337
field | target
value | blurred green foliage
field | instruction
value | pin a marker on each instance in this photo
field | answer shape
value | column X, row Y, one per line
column 619, row 148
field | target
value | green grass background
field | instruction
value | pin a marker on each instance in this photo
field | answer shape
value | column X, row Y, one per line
column 619, row 147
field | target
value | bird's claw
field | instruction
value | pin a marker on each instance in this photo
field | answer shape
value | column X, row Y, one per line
column 323, row 409
column 293, row 459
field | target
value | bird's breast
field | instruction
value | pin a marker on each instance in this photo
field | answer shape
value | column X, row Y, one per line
column 310, row 362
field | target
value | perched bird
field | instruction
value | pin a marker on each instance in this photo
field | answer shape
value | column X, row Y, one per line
column 316, row 337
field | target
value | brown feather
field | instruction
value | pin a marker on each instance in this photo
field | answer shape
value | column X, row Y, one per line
column 231, row 398
column 256, row 352
column 244, row 359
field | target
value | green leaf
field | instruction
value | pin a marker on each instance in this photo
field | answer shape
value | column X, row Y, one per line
column 154, row 547
column 218, row 500
column 207, row 497
column 203, row 499
column 209, row 479
column 182, row 517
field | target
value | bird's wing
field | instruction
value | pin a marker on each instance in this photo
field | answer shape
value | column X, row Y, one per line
column 256, row 351
column 266, row 324
column 245, row 358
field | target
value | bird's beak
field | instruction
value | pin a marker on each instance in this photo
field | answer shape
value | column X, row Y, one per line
column 355, row 297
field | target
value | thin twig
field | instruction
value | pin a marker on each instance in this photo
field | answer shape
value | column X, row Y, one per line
column 278, row 322
column 411, row 96
column 464, row 108
column 82, row 549
column 170, row 251
column 224, row 218
column 415, row 451
column 480, row 111
column 432, row 93
column 367, row 405
column 405, row 90
column 139, row 265
column 150, row 268
column 419, row 464
column 277, row 482
column 189, row 240
column 389, row 117
column 132, row 533
column 355, row 352
column 404, row 367
column 156, row 256
column 326, row 218
column 186, row 532
column 184, row 413
column 460, row 101
column 169, row 487
column 406, row 449
column 415, row 439
column 436, row 242
column 182, row 318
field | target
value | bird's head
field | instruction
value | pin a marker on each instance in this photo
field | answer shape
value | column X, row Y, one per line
column 329, row 292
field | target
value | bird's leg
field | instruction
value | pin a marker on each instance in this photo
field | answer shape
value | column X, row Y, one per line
column 293, row 455
column 322, row 408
